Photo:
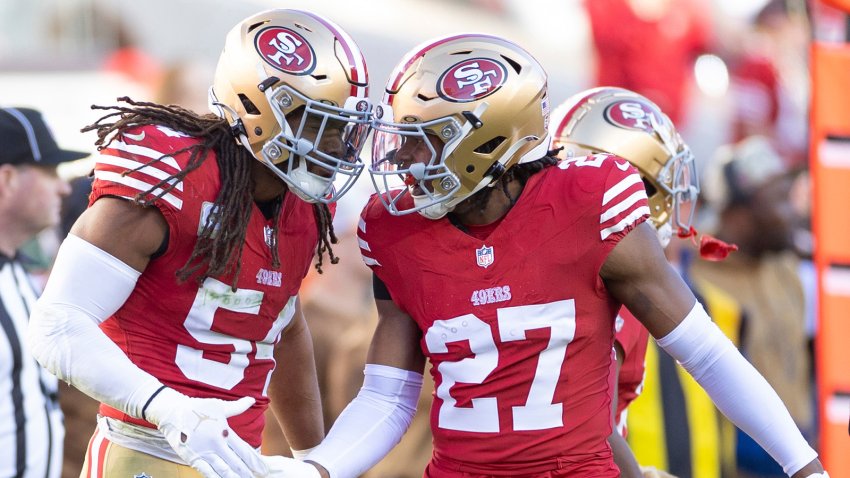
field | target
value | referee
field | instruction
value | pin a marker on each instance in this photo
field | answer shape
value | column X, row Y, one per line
column 31, row 429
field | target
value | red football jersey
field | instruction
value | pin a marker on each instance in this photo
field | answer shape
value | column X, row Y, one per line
column 518, row 327
column 204, row 340
column 633, row 337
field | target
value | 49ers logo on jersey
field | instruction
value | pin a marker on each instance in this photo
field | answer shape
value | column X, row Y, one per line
column 633, row 114
column 471, row 80
column 286, row 50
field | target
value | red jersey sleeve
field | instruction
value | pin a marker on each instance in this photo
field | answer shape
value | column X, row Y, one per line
column 618, row 189
column 137, row 160
column 140, row 158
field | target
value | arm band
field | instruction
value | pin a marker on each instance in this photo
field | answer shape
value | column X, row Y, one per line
column 372, row 424
column 737, row 388
column 86, row 286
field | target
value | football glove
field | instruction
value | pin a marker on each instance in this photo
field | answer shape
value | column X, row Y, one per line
column 197, row 430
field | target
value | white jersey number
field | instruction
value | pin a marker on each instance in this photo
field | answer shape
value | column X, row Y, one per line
column 539, row 411
column 214, row 295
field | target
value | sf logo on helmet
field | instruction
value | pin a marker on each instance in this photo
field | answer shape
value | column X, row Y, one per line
column 632, row 114
column 471, row 80
column 285, row 50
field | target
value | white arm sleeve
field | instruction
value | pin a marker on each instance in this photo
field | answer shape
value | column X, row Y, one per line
column 737, row 388
column 86, row 286
column 372, row 424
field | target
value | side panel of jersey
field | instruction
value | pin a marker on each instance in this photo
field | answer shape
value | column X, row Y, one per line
column 633, row 337
column 518, row 327
column 204, row 339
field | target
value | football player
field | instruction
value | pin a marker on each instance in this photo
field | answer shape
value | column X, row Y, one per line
column 505, row 268
column 175, row 294
column 621, row 122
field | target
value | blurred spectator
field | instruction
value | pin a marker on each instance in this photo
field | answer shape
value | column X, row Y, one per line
column 748, row 185
column 769, row 78
column 31, row 429
column 649, row 46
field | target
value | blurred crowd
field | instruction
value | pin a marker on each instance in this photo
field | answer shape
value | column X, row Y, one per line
column 735, row 85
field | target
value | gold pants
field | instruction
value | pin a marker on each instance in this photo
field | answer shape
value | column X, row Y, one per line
column 105, row 459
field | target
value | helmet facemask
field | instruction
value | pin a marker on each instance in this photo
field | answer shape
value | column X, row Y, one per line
column 310, row 172
column 432, row 184
column 294, row 88
column 475, row 104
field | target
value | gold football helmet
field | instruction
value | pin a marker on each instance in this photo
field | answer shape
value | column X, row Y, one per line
column 283, row 62
column 626, row 124
column 479, row 105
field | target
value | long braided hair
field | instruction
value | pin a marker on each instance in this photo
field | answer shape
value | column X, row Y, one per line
column 218, row 250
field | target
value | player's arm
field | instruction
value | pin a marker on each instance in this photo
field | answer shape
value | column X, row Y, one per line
column 638, row 275
column 294, row 388
column 95, row 271
column 374, row 422
column 623, row 456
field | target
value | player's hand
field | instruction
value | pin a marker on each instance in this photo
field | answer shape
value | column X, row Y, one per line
column 197, row 429
column 283, row 467
column 652, row 472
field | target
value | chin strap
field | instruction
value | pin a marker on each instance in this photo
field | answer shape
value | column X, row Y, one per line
column 710, row 247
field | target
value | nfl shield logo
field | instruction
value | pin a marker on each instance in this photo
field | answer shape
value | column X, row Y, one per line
column 484, row 256
column 267, row 233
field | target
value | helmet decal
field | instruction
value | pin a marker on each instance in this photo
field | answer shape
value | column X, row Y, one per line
column 286, row 50
column 633, row 114
column 471, row 80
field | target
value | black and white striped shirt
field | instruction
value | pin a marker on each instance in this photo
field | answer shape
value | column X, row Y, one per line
column 31, row 428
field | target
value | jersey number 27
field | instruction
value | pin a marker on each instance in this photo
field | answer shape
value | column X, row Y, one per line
column 539, row 411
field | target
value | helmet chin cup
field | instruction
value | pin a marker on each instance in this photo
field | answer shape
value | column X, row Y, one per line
column 307, row 185
column 431, row 211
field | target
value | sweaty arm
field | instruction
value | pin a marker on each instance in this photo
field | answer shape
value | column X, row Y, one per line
column 637, row 274
column 294, row 388
column 95, row 272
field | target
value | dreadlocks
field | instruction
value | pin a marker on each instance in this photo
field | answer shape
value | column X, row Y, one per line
column 519, row 172
column 218, row 249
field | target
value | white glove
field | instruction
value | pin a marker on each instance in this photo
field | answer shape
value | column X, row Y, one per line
column 283, row 467
column 197, row 429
